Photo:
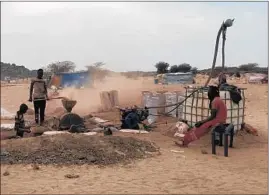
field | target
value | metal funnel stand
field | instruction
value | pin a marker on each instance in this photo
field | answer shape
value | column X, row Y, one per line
column 71, row 121
column 68, row 104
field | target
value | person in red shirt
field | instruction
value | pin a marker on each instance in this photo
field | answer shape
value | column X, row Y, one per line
column 218, row 116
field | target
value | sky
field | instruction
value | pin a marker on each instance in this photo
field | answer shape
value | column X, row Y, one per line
column 129, row 36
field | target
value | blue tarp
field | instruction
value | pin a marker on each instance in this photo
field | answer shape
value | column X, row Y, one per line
column 76, row 79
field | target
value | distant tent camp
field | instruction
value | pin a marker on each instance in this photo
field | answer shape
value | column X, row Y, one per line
column 179, row 78
column 255, row 77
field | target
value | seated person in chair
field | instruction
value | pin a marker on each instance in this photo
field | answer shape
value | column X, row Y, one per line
column 218, row 116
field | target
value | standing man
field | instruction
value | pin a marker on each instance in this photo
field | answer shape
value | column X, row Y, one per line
column 39, row 95
column 222, row 79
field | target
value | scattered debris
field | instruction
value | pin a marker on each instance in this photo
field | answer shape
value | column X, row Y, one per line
column 133, row 131
column 107, row 131
column 182, row 128
column 35, row 167
column 177, row 130
column 55, row 132
column 99, row 120
column 88, row 116
column 71, row 176
column 6, row 173
column 177, row 151
column 90, row 133
column 39, row 130
column 97, row 129
column 249, row 129
column 203, row 151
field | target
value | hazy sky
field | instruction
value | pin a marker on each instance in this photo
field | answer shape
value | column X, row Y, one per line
column 131, row 36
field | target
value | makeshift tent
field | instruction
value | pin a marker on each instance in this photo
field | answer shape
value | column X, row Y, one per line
column 255, row 77
column 73, row 79
column 178, row 78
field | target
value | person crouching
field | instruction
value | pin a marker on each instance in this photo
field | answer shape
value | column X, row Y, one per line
column 20, row 127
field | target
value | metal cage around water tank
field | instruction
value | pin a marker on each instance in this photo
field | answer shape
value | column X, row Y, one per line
column 196, row 107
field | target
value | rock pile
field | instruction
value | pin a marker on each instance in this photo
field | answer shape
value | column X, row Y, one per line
column 75, row 149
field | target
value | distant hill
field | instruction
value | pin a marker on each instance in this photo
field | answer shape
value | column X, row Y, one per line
column 14, row 71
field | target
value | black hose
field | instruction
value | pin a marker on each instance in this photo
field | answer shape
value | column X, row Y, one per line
column 223, row 46
column 176, row 104
column 167, row 113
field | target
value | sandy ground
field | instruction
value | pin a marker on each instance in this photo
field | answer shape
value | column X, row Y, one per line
column 188, row 171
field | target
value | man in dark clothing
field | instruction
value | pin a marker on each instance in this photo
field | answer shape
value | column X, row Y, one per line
column 222, row 79
column 39, row 95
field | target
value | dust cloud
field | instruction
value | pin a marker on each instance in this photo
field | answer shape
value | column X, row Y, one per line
column 88, row 99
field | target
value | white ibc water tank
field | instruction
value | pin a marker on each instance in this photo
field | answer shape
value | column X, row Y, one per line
column 196, row 108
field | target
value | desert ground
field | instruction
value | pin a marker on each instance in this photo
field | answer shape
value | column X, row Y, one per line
column 175, row 171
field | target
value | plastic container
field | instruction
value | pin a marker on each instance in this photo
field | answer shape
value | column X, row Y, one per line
column 150, row 99
column 180, row 98
column 161, row 102
column 164, row 98
column 146, row 95
column 171, row 98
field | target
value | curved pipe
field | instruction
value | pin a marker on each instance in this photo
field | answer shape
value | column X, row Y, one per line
column 215, row 54
column 223, row 47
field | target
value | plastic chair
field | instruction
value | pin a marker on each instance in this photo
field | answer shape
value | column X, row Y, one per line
column 226, row 130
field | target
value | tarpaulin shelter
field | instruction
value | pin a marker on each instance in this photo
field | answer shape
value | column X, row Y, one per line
column 179, row 78
column 255, row 77
column 70, row 79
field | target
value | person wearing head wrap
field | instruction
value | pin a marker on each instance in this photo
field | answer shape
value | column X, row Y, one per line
column 218, row 116
column 222, row 79
column 20, row 127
